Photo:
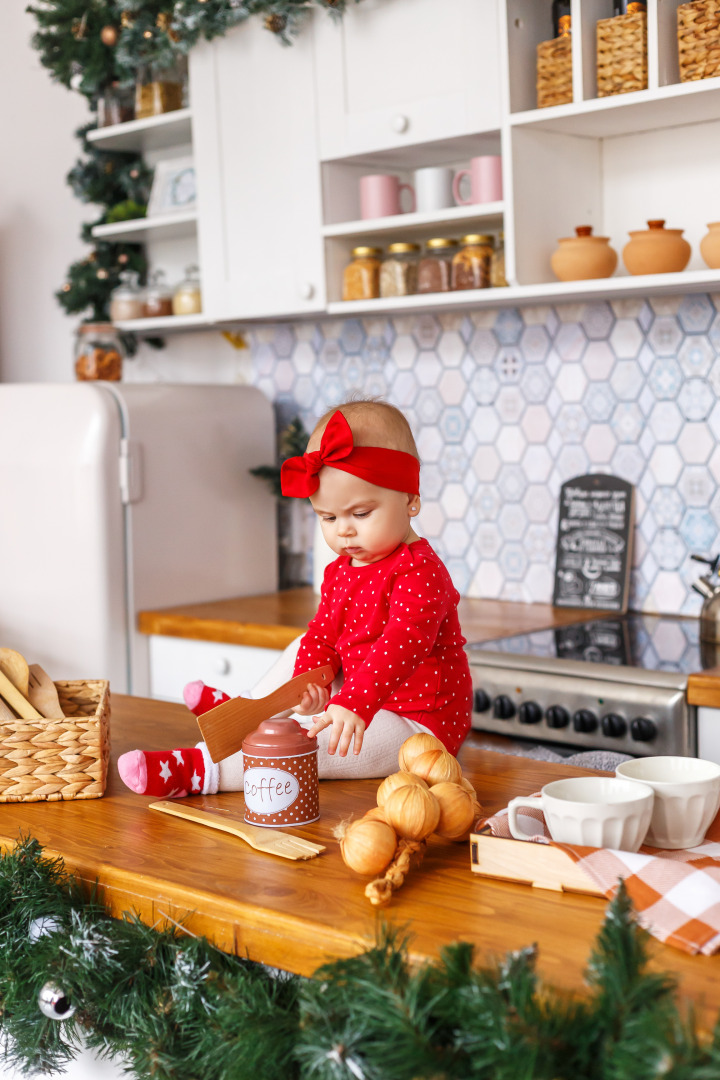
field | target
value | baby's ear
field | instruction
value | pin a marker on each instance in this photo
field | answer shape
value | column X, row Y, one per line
column 413, row 505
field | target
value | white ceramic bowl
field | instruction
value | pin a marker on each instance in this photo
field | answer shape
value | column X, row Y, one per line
column 687, row 797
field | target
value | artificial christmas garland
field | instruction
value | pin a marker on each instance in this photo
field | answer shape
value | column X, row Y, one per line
column 169, row 1005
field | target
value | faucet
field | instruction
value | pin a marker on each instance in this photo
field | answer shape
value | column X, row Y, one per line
column 709, row 589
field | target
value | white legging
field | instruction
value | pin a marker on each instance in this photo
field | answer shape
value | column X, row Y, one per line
column 382, row 741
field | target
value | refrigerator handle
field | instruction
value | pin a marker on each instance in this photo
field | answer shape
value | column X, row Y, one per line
column 130, row 471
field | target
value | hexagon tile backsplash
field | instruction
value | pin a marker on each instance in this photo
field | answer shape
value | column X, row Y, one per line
column 508, row 404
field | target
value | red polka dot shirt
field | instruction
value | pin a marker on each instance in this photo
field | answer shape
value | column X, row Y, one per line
column 393, row 628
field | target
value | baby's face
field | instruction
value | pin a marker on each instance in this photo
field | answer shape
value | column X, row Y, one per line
column 360, row 519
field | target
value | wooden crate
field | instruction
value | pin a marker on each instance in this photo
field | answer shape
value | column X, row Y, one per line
column 622, row 54
column 698, row 33
column 554, row 72
column 49, row 760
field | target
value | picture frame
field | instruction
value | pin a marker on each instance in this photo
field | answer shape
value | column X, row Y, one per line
column 173, row 188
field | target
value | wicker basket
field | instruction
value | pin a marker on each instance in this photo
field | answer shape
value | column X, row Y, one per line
column 698, row 31
column 554, row 72
column 622, row 54
column 59, row 759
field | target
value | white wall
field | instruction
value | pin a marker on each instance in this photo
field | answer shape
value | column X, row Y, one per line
column 40, row 218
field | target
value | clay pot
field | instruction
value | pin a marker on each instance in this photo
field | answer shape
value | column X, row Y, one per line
column 583, row 256
column 656, row 250
column 710, row 246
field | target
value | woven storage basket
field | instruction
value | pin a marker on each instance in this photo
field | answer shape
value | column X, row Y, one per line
column 622, row 54
column 59, row 759
column 554, row 72
column 698, row 31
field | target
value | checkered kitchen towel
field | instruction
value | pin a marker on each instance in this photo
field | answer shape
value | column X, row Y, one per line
column 676, row 893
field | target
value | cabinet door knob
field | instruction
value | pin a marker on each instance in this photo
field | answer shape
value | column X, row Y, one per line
column 222, row 665
column 400, row 123
column 306, row 290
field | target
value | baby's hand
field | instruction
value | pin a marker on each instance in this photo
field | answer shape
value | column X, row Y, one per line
column 346, row 726
column 313, row 701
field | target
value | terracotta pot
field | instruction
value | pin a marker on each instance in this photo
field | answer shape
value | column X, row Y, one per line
column 583, row 256
column 656, row 250
column 710, row 246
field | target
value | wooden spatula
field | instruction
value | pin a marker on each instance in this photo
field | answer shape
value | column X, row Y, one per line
column 15, row 666
column 42, row 693
column 271, row 840
column 224, row 727
column 13, row 697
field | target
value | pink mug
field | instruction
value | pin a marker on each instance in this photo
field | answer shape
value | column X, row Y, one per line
column 485, row 180
column 380, row 196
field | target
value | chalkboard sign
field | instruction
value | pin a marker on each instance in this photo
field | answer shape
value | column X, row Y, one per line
column 592, row 562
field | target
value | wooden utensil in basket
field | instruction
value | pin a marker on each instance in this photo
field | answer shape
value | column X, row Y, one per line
column 271, row 841
column 224, row 727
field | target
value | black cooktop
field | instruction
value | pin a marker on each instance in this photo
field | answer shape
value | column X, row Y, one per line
column 651, row 642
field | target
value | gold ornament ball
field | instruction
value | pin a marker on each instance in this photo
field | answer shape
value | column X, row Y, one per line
column 147, row 34
column 102, row 274
column 66, row 287
column 109, row 36
column 122, row 259
column 134, row 173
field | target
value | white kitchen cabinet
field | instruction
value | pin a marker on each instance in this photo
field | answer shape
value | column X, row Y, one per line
column 403, row 72
column 258, row 175
column 232, row 668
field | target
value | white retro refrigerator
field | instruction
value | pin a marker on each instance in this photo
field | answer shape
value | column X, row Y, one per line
column 116, row 498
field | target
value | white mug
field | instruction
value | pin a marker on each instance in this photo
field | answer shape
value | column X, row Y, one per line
column 591, row 811
column 434, row 188
column 687, row 797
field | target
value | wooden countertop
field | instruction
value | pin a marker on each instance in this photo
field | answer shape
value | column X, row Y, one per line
column 273, row 620
column 298, row 915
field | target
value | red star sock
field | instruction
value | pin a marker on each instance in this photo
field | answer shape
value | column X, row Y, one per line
column 199, row 698
column 170, row 774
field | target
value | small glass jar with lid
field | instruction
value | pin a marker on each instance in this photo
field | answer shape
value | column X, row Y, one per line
column 99, row 352
column 435, row 266
column 126, row 301
column 497, row 265
column 187, row 298
column 361, row 277
column 398, row 271
column 471, row 264
column 158, row 299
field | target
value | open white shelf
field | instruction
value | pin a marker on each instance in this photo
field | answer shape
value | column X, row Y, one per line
column 456, row 218
column 166, row 323
column 552, row 292
column 628, row 114
column 140, row 136
column 139, row 230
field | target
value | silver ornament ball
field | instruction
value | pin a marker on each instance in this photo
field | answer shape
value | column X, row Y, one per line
column 54, row 1003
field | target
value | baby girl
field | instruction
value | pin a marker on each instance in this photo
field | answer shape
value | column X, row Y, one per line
column 387, row 620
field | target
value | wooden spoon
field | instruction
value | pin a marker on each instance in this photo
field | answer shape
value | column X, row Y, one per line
column 42, row 693
column 13, row 697
column 15, row 666
column 224, row 727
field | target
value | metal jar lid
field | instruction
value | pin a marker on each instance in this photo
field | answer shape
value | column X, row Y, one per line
column 441, row 242
column 278, row 737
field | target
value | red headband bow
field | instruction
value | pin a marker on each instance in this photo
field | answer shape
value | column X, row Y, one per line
column 392, row 469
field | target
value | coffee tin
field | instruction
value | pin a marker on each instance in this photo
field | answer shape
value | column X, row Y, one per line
column 281, row 776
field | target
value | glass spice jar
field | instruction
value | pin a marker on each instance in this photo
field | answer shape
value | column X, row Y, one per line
column 435, row 266
column 158, row 299
column 126, row 301
column 187, row 298
column 361, row 277
column 116, row 105
column 398, row 271
column 497, row 264
column 471, row 264
column 99, row 352
column 160, row 90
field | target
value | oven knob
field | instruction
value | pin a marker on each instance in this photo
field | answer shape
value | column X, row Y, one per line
column 481, row 701
column 642, row 729
column 557, row 716
column 530, row 713
column 585, row 721
column 614, row 726
column 503, row 707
